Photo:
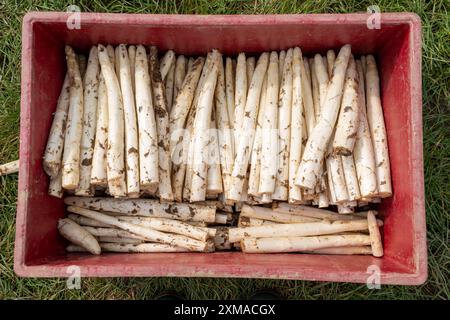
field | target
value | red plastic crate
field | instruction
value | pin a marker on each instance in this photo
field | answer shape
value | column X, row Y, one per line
column 39, row 250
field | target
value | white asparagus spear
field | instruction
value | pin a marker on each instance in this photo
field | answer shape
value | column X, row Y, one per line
column 179, row 165
column 363, row 151
column 181, row 108
column 307, row 98
column 347, row 123
column 162, row 123
column 111, row 54
column 87, row 222
column 351, row 179
column 55, row 186
column 121, row 236
column 296, row 244
column 131, row 130
column 297, row 125
column 331, row 57
column 74, row 127
column 82, row 62
column 281, row 59
column 189, row 64
column 240, row 97
column 255, row 160
column 166, row 63
column 248, row 130
column 147, row 233
column 180, row 74
column 322, row 80
column 269, row 152
column 90, row 102
column 146, row 207
column 225, row 132
column 78, row 235
column 269, row 214
column 115, row 158
column 250, row 65
column 375, row 237
column 169, row 225
column 98, row 172
column 316, row 147
column 200, row 132
column 117, row 240
column 186, row 171
column 284, row 131
column 252, row 222
column 148, row 137
column 297, row 229
column 214, row 174
column 315, row 88
column 343, row 250
column 117, row 62
column 55, row 143
column 377, row 128
column 218, row 204
column 229, row 86
column 9, row 168
column 132, row 248
column 132, row 57
column 112, row 232
column 311, row 212
column 170, row 85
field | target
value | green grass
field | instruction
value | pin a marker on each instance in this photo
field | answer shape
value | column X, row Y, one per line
column 436, row 117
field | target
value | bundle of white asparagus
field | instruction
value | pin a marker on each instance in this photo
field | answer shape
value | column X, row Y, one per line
column 290, row 228
column 278, row 128
column 146, row 225
column 140, row 225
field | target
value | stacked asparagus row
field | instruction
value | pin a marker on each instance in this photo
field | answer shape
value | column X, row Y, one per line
column 141, row 225
column 292, row 228
column 279, row 128
column 146, row 225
